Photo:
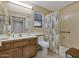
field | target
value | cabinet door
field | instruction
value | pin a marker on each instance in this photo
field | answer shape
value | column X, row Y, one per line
column 13, row 53
column 6, row 54
column 17, row 52
column 29, row 51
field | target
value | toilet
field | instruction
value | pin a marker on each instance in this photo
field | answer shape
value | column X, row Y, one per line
column 44, row 44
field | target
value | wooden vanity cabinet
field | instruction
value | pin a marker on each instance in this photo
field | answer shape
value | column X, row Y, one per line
column 21, row 48
column 29, row 51
column 13, row 53
column 5, row 51
column 6, row 54
column 17, row 52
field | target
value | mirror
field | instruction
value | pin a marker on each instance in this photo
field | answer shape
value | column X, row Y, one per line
column 17, row 24
column 2, row 24
column 2, row 19
column 11, row 21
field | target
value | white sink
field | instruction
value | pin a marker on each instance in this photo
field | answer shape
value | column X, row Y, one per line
column 3, row 37
column 25, row 34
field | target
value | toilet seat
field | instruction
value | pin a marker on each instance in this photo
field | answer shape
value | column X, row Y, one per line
column 44, row 44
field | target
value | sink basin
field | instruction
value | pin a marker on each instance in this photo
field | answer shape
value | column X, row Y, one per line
column 25, row 34
column 3, row 37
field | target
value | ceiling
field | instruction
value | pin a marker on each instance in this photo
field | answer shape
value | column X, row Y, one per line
column 51, row 4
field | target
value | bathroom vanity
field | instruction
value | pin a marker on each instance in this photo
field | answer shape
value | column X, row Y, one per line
column 18, row 48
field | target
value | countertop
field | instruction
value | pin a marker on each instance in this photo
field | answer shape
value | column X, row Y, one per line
column 15, row 38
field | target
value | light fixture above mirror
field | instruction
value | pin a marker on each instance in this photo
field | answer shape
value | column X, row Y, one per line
column 21, row 4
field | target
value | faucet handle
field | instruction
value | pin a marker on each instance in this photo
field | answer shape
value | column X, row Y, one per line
column 20, row 34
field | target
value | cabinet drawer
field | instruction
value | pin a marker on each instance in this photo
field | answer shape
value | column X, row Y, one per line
column 20, row 43
column 7, row 46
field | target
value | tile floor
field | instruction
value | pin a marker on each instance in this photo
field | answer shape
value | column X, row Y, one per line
column 49, row 54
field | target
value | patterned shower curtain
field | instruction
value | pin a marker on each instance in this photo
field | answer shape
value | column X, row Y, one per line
column 51, row 31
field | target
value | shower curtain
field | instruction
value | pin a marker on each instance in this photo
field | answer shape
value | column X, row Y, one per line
column 51, row 31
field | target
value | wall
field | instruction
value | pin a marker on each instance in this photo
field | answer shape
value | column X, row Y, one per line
column 15, row 10
column 70, row 22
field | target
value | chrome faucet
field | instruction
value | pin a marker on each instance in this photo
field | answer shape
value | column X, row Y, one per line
column 20, row 35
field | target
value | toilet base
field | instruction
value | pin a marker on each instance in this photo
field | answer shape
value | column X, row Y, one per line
column 45, row 50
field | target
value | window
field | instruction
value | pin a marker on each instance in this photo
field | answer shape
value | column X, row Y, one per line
column 17, row 24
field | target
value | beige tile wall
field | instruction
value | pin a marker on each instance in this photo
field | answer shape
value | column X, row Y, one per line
column 70, row 22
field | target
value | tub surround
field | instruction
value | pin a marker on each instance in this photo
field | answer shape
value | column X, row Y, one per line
column 18, row 47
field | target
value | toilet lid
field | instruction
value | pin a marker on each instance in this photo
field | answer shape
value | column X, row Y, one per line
column 44, row 44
